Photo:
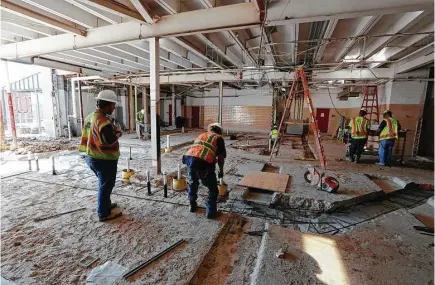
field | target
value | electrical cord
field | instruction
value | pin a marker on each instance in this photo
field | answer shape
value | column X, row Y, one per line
column 329, row 92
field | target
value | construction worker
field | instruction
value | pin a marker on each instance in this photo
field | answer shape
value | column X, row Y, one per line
column 140, row 121
column 201, row 158
column 273, row 134
column 100, row 143
column 388, row 132
column 359, row 130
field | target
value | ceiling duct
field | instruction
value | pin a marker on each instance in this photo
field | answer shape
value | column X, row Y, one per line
column 349, row 91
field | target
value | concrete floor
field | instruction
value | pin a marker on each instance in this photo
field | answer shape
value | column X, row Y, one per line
column 216, row 251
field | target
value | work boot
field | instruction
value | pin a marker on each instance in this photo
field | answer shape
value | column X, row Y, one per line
column 379, row 164
column 110, row 217
column 352, row 159
column 193, row 206
column 211, row 215
column 357, row 159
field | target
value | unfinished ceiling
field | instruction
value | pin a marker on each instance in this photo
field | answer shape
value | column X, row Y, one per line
column 219, row 37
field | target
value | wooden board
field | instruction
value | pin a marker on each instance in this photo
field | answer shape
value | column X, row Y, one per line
column 266, row 181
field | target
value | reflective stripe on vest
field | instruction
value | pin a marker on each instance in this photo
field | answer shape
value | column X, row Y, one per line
column 92, row 142
column 205, row 147
column 274, row 134
column 359, row 127
column 390, row 131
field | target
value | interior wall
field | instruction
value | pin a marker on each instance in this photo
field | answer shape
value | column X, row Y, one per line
column 426, row 146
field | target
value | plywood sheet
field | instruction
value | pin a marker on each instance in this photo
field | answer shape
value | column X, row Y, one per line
column 266, row 181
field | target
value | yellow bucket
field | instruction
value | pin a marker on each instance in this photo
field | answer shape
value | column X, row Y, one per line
column 179, row 184
column 127, row 174
column 168, row 149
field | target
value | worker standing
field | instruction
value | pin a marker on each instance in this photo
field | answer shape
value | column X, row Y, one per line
column 359, row 127
column 100, row 143
column 388, row 134
column 140, row 120
column 273, row 134
column 201, row 158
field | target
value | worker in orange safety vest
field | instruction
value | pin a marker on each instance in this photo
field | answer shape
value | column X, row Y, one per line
column 207, row 150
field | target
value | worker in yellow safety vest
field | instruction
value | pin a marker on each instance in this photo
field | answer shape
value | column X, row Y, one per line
column 273, row 135
column 359, row 131
column 140, row 119
column 100, row 143
column 388, row 134
column 201, row 158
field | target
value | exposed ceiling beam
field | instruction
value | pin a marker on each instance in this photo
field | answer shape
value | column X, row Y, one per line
column 18, row 31
column 188, row 46
column 406, row 21
column 112, row 55
column 328, row 34
column 175, row 48
column 66, row 11
column 80, row 62
column 417, row 59
column 364, row 25
column 225, row 17
column 144, row 11
column 388, row 52
column 229, row 34
column 39, row 18
column 299, row 12
column 82, row 56
column 109, row 18
column 26, row 24
column 118, row 8
column 247, row 76
column 145, row 47
column 171, row 6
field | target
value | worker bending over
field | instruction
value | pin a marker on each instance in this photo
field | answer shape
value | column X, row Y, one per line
column 100, row 143
column 140, row 121
column 359, row 130
column 201, row 158
column 273, row 134
column 388, row 134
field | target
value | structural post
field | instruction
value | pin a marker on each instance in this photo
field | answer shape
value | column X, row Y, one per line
column 155, row 103
column 135, row 100
column 11, row 109
column 146, row 103
column 221, row 94
column 174, row 106
column 131, row 114
column 2, row 125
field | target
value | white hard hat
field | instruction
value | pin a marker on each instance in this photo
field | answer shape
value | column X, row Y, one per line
column 363, row 109
column 215, row 125
column 142, row 111
column 107, row 95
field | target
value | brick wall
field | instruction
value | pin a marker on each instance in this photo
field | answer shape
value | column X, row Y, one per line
column 241, row 118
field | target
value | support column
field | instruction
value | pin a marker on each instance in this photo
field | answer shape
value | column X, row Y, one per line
column 79, row 85
column 11, row 109
column 221, row 94
column 146, row 103
column 174, row 106
column 155, row 103
column 2, row 125
column 131, row 113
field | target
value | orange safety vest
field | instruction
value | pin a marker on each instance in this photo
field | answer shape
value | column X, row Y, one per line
column 391, row 130
column 359, row 126
column 205, row 147
column 92, row 142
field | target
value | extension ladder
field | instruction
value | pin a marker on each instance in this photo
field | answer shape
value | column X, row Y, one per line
column 370, row 103
column 300, row 78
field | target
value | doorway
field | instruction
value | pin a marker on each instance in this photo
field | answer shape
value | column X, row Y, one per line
column 195, row 116
column 322, row 117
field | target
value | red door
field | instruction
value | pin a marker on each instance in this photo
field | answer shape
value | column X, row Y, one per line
column 195, row 116
column 323, row 120
column 170, row 114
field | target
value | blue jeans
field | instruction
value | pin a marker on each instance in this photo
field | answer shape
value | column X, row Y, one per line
column 208, row 179
column 105, row 170
column 385, row 151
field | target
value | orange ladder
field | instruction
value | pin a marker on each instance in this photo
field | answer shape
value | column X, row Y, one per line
column 299, row 75
column 370, row 103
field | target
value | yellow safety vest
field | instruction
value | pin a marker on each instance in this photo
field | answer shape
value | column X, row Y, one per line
column 274, row 134
column 205, row 147
column 359, row 126
column 92, row 143
column 140, row 117
column 391, row 130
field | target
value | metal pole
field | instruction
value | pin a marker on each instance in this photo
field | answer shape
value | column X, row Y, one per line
column 165, row 186
column 54, row 168
column 155, row 105
column 38, row 113
column 148, row 182
column 129, row 152
column 37, row 163
column 221, row 94
column 174, row 106
column 81, row 105
column 135, row 100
